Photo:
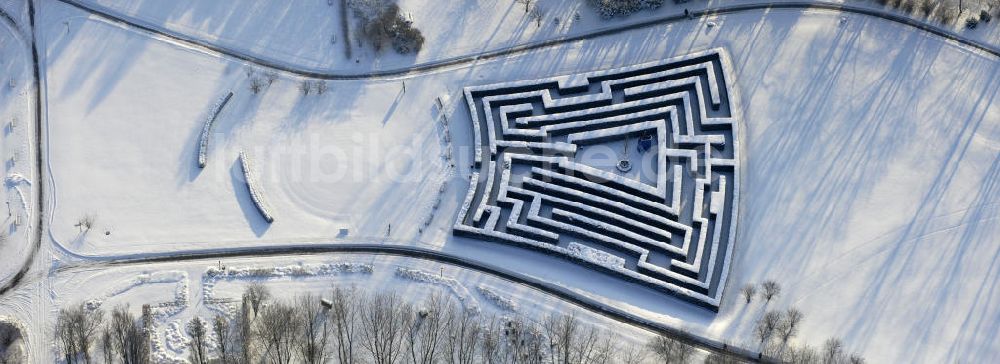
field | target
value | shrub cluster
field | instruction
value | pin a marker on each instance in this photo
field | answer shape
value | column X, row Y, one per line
column 382, row 23
column 612, row 8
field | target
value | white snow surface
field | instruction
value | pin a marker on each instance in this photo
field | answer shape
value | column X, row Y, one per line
column 871, row 184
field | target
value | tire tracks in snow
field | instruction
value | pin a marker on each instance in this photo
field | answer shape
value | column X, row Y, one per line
column 36, row 243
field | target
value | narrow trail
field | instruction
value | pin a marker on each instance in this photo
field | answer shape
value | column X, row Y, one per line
column 36, row 242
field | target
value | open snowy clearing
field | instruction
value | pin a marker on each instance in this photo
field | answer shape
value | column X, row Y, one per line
column 125, row 147
column 869, row 188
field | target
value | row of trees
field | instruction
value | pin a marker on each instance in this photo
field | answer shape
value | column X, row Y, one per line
column 122, row 339
column 768, row 290
column 946, row 12
column 352, row 326
column 776, row 328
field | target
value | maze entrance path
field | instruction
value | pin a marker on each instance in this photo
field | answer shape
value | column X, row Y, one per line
column 667, row 222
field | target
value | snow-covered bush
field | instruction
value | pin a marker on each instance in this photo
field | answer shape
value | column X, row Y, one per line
column 382, row 21
column 259, row 82
column 206, row 130
column 971, row 22
column 503, row 302
column 612, row 8
column 255, row 193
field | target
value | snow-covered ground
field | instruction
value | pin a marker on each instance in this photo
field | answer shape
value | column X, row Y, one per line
column 870, row 191
column 180, row 291
column 307, row 34
column 17, row 120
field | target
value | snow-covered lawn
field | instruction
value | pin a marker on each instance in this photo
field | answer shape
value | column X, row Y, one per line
column 870, row 187
column 17, row 118
column 125, row 129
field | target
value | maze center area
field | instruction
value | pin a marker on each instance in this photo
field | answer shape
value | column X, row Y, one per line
column 632, row 171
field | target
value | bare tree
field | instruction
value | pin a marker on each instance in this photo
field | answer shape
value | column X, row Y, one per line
column 278, row 326
column 571, row 342
column 129, row 338
column 271, row 76
column 489, row 347
column 771, row 289
column 633, row 354
column 199, row 335
column 801, row 355
column 527, row 4
column 465, row 333
column 256, row 293
column 315, row 329
column 749, row 290
column 384, row 318
column 856, row 359
column 512, row 340
column 64, row 334
column 536, row 14
column 523, row 342
column 107, row 346
column 596, row 347
column 256, row 85
column 344, row 314
column 790, row 325
column 259, row 82
column 76, row 329
column 224, row 339
column 305, row 87
column 85, row 222
column 321, row 86
column 426, row 335
column 717, row 358
column 560, row 330
column 833, row 351
column 766, row 327
column 668, row 350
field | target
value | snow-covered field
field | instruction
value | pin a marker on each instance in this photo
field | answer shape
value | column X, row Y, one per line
column 870, row 187
column 17, row 116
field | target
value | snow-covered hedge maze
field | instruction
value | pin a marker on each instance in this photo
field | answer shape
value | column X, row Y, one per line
column 668, row 223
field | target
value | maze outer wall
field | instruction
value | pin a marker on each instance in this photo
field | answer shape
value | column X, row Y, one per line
column 665, row 217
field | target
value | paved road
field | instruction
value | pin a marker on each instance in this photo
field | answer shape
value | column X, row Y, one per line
column 522, row 48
